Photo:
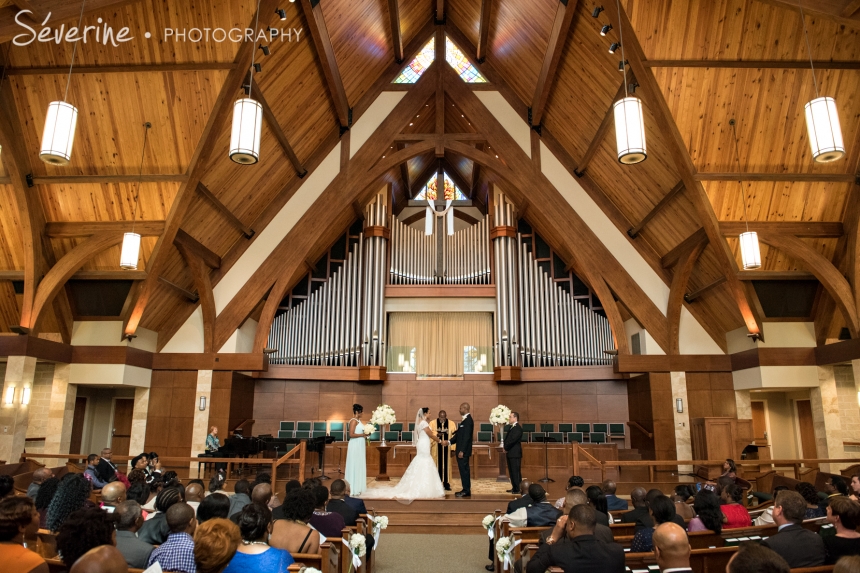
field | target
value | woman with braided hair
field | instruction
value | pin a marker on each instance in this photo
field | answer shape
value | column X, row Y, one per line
column 72, row 494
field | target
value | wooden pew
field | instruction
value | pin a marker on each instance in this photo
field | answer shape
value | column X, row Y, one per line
column 701, row 560
column 819, row 569
column 340, row 558
column 319, row 560
column 622, row 529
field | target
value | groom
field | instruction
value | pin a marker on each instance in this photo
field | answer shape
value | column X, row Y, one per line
column 463, row 441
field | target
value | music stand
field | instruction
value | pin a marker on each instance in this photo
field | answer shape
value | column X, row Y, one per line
column 545, row 440
column 321, row 443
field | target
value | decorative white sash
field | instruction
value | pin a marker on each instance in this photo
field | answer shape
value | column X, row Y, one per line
column 431, row 212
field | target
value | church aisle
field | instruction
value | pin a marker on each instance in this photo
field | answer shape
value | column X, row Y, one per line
column 404, row 552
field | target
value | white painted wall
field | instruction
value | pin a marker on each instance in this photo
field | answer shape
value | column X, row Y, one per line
column 109, row 333
column 189, row 337
column 372, row 119
column 110, row 375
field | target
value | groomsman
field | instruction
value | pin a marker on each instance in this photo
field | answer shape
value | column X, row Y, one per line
column 514, row 451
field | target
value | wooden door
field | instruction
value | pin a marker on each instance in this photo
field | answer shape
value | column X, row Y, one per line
column 809, row 450
column 78, row 425
column 759, row 417
column 123, row 411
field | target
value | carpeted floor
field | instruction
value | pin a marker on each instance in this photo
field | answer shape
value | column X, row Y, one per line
column 408, row 553
column 479, row 486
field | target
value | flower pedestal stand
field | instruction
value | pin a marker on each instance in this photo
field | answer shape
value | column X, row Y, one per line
column 503, row 458
column 383, row 463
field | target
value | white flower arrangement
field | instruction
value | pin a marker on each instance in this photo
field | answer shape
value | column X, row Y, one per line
column 503, row 545
column 358, row 548
column 309, row 570
column 488, row 522
column 500, row 415
column 380, row 523
column 384, row 414
column 369, row 429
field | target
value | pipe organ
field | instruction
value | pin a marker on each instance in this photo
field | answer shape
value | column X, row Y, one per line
column 340, row 320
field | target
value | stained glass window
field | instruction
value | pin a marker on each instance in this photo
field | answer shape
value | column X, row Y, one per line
column 416, row 67
column 461, row 64
column 430, row 192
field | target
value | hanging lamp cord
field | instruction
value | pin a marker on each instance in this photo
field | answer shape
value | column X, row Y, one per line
column 621, row 41
column 74, row 52
column 809, row 50
column 254, row 54
column 732, row 122
column 146, row 127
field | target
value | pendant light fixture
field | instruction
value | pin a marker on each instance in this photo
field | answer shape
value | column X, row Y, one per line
column 750, row 252
column 130, row 253
column 822, row 118
column 60, row 121
column 629, row 119
column 247, row 120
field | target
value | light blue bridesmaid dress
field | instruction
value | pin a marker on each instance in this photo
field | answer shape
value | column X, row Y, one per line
column 355, row 472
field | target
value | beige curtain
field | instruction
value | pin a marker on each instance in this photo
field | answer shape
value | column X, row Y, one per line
column 439, row 338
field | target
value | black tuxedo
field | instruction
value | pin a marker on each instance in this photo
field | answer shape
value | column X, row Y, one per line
column 798, row 546
column 350, row 515
column 514, row 451
column 582, row 554
column 463, row 442
column 106, row 470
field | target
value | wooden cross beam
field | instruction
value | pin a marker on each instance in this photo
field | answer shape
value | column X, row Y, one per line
column 396, row 35
column 597, row 140
column 558, row 36
column 635, row 230
column 221, row 208
column 483, row 31
column 325, row 51
column 184, row 241
column 277, row 131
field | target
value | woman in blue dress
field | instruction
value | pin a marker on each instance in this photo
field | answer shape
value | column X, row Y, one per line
column 255, row 555
column 355, row 472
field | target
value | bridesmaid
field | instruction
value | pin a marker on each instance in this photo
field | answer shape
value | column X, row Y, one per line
column 355, row 472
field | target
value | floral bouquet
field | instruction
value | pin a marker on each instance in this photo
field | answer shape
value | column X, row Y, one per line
column 369, row 429
column 358, row 548
column 488, row 523
column 378, row 524
column 309, row 570
column 504, row 548
column 384, row 414
column 500, row 415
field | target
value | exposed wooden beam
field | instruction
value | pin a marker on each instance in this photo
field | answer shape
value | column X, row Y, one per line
column 69, row 229
column 396, row 35
column 61, row 11
column 227, row 214
column 754, row 64
column 682, row 248
column 191, row 296
column 123, row 68
column 440, row 11
column 683, row 270
column 100, row 179
column 699, row 292
column 419, row 216
column 415, row 137
column 557, row 37
column 404, row 175
column 637, row 228
column 684, row 164
column 196, row 167
column 787, row 177
column 18, row 275
column 776, row 276
column 483, row 31
column 850, row 9
column 200, row 275
column 276, row 130
column 797, row 228
column 325, row 52
column 185, row 241
column 597, row 140
column 831, row 10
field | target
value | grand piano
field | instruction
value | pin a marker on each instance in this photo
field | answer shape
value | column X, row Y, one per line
column 238, row 446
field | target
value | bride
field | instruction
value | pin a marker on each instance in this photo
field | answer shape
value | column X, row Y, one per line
column 421, row 480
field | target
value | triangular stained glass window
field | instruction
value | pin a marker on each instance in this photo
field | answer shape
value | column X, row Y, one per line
column 455, row 57
column 430, row 191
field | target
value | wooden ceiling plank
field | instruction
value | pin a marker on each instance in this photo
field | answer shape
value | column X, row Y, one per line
column 396, row 34
column 677, row 291
column 105, row 179
column 415, row 137
column 558, row 36
column 776, row 276
column 36, row 13
column 122, row 69
column 440, row 11
column 815, row 9
column 185, row 241
column 787, row 177
column 225, row 212
column 71, row 229
column 277, row 131
column 18, row 275
column 850, row 9
column 683, row 247
column 200, row 274
column 754, row 64
column 63, row 271
column 825, row 271
column 325, row 51
column 637, row 228
column 61, row 11
column 797, row 228
column 205, row 148
column 483, row 31
column 597, row 140
column 684, row 164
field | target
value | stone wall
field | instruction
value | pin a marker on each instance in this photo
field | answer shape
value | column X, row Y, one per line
column 40, row 402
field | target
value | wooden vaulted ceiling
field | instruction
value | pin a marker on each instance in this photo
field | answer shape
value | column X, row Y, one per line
column 685, row 55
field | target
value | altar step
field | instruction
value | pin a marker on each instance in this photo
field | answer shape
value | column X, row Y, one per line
column 451, row 515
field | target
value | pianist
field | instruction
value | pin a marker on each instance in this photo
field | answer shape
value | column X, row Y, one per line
column 212, row 442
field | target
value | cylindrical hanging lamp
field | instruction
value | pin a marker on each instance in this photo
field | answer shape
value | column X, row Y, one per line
column 825, row 133
column 630, row 130
column 59, row 134
column 750, row 252
column 130, row 251
column 245, row 136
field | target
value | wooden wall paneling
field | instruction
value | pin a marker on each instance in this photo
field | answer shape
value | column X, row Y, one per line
column 686, row 167
column 241, row 399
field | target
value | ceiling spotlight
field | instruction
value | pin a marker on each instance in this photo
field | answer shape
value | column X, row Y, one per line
column 605, row 29
column 258, row 67
column 613, row 47
column 621, row 65
column 265, row 50
column 282, row 14
column 597, row 12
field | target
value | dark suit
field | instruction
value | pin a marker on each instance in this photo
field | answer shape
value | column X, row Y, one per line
column 135, row 551
column 514, row 450
column 601, row 532
column 798, row 546
column 523, row 501
column 613, row 502
column 639, row 516
column 582, row 554
column 106, row 470
column 154, row 530
column 542, row 514
column 339, row 506
column 356, row 504
column 463, row 442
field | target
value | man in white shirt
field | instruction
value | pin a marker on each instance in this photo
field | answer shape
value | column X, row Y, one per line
column 672, row 548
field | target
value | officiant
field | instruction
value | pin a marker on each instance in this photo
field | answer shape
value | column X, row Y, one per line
column 444, row 428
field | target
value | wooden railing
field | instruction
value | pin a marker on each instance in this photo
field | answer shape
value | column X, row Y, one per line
column 641, row 429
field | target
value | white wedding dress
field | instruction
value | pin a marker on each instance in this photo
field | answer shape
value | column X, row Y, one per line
column 421, row 480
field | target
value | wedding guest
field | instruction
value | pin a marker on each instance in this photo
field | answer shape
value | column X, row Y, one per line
column 7, row 487
column 541, row 513
column 672, row 548
column 101, row 559
column 737, row 515
column 708, row 514
column 194, row 495
column 662, row 510
column 292, row 532
column 261, row 494
column 177, row 552
column 354, row 502
column 766, row 517
column 43, row 499
column 266, row 478
column 613, row 502
column 106, row 469
column 214, row 506
column 572, row 482
column 19, row 520
column 328, row 523
column 92, row 474
column 844, row 514
column 241, row 496
column 255, row 555
column 683, row 493
column 525, row 499
column 597, row 500
column 129, row 519
column 112, row 495
column 833, row 487
column 72, row 494
column 215, row 544
column 337, row 505
column 755, row 558
column 355, row 471
column 847, row 564
column 156, row 529
column 83, row 530
column 639, row 513
column 798, row 546
column 854, row 487
column 39, row 477
column 293, row 485
column 651, row 496
column 813, row 503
